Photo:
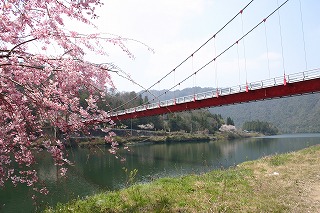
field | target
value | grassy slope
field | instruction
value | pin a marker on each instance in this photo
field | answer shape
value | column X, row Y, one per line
column 281, row 183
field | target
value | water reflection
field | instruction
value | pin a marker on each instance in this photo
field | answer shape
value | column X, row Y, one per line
column 96, row 170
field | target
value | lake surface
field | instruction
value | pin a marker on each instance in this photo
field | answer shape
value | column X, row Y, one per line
column 96, row 170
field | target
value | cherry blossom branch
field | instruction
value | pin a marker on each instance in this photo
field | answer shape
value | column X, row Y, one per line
column 37, row 90
column 20, row 45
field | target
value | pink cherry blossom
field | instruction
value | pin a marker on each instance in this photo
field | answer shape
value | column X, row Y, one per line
column 40, row 91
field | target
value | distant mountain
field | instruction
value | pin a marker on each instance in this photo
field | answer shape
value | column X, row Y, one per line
column 290, row 115
column 171, row 94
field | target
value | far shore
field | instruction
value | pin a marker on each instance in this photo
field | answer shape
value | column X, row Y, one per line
column 168, row 137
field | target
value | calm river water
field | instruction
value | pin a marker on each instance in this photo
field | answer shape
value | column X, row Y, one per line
column 95, row 170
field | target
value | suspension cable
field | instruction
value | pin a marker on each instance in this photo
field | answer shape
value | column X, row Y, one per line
column 203, row 44
column 265, row 33
column 284, row 71
column 214, row 65
column 216, row 73
column 215, row 58
column 244, row 52
column 194, row 79
column 304, row 43
column 239, row 70
column 174, row 82
column 228, row 48
column 148, row 89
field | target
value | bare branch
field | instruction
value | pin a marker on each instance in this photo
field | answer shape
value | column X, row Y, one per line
column 20, row 45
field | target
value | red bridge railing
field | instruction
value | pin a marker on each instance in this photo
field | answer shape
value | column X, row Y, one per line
column 293, row 84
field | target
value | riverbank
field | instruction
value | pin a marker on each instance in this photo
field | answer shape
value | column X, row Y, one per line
column 281, row 183
column 172, row 137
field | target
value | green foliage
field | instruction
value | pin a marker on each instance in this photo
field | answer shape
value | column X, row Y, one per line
column 192, row 121
column 291, row 114
column 177, row 123
column 83, row 95
column 278, row 160
column 130, row 176
column 188, row 194
column 230, row 121
column 260, row 126
column 195, row 121
column 248, row 187
column 311, row 150
column 124, row 100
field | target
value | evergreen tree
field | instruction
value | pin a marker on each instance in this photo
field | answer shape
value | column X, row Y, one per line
column 260, row 126
column 230, row 121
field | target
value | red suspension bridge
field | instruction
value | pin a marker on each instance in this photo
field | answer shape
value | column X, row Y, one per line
column 296, row 84
column 304, row 82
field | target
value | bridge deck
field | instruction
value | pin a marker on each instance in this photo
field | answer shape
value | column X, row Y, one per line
column 294, row 84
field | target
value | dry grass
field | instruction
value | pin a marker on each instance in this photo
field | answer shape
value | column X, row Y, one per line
column 291, row 180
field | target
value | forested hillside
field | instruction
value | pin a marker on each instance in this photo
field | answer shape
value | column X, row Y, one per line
column 192, row 121
column 165, row 95
column 289, row 115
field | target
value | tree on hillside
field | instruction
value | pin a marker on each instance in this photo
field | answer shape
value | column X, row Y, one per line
column 198, row 120
column 260, row 126
column 230, row 121
column 40, row 87
column 126, row 100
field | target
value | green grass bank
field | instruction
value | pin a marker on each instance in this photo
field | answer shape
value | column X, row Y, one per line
column 280, row 183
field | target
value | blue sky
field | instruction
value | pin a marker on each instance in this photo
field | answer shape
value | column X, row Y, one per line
column 174, row 29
